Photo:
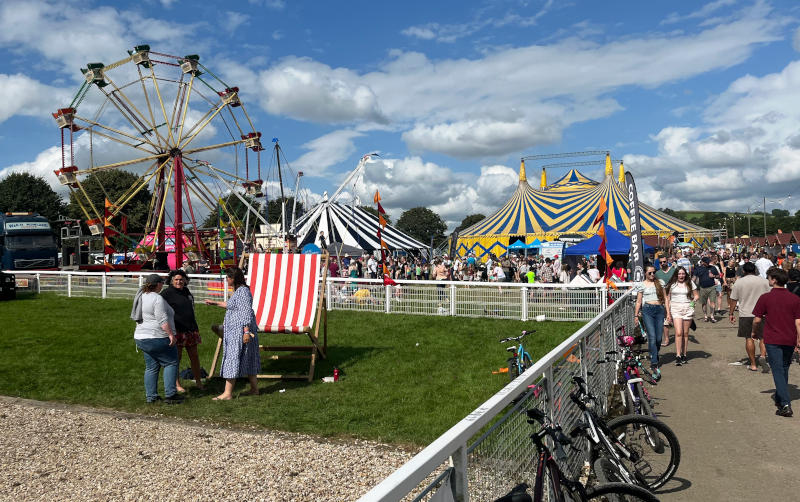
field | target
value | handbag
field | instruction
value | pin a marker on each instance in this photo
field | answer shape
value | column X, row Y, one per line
column 693, row 326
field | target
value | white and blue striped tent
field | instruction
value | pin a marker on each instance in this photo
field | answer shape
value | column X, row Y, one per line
column 349, row 225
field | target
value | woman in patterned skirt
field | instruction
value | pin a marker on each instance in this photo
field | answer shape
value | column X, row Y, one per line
column 240, row 339
column 187, row 334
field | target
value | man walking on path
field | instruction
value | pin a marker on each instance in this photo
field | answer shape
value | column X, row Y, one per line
column 746, row 292
column 707, row 288
column 781, row 309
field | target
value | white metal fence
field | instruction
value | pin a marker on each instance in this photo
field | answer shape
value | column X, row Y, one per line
column 556, row 302
column 489, row 451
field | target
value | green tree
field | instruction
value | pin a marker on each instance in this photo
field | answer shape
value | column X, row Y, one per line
column 422, row 224
column 780, row 213
column 25, row 192
column 236, row 208
column 374, row 212
column 469, row 221
column 113, row 183
column 274, row 210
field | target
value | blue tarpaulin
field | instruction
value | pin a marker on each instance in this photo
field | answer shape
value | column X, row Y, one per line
column 616, row 244
column 311, row 248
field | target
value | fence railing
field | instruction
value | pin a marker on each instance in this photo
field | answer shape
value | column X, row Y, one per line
column 489, row 451
column 506, row 300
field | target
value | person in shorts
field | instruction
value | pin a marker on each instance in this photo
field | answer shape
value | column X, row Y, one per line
column 745, row 292
column 706, row 275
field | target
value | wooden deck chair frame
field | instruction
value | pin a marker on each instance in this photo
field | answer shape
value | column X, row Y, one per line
column 315, row 350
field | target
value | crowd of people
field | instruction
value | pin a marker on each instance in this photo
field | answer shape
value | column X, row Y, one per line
column 764, row 288
column 509, row 268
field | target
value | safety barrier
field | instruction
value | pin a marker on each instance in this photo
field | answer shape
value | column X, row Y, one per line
column 482, row 457
column 505, row 300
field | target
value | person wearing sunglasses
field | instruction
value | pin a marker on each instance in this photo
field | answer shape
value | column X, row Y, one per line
column 650, row 308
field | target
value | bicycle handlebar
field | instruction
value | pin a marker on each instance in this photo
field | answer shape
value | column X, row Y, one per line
column 517, row 338
column 549, row 429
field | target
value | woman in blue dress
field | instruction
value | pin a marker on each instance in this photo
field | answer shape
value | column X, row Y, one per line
column 240, row 337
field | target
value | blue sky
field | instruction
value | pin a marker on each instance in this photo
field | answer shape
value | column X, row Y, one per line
column 701, row 100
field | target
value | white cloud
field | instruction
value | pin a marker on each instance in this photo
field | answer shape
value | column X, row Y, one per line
column 325, row 152
column 481, row 137
column 703, row 12
column 308, row 90
column 480, row 107
column 24, row 96
column 233, row 20
column 70, row 35
column 412, row 182
column 746, row 148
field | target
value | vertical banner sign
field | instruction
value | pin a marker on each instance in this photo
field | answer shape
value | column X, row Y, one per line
column 636, row 257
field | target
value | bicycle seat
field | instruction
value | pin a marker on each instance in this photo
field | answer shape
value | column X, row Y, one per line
column 511, row 349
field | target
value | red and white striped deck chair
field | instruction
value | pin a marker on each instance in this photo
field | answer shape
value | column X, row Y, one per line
column 288, row 298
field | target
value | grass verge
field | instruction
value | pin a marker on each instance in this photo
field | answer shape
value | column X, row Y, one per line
column 408, row 378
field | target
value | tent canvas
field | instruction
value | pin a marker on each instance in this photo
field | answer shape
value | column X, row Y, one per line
column 616, row 244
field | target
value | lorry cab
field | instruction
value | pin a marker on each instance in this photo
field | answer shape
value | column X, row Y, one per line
column 26, row 242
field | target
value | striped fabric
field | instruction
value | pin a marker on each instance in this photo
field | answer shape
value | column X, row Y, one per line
column 350, row 225
column 285, row 291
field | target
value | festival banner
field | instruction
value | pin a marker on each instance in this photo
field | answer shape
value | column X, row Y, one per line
column 387, row 281
column 636, row 256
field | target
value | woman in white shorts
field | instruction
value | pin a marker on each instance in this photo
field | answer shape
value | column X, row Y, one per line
column 681, row 295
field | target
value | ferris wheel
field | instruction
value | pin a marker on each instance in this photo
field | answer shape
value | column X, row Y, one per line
column 180, row 129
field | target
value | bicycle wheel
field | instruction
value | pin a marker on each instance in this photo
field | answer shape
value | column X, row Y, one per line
column 605, row 471
column 513, row 370
column 654, row 448
column 619, row 492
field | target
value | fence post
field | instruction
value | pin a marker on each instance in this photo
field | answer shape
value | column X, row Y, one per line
column 69, row 285
column 388, row 298
column 104, row 286
column 224, row 289
column 328, row 294
column 141, row 281
column 459, row 484
column 524, row 292
column 38, row 283
column 584, row 366
column 603, row 297
column 453, row 299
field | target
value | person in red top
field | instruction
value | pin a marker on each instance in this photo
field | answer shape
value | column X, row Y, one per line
column 780, row 310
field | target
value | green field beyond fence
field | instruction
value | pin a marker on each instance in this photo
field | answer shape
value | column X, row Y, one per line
column 407, row 378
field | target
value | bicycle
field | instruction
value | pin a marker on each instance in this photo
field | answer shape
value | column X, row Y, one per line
column 631, row 375
column 520, row 359
column 636, row 449
column 564, row 489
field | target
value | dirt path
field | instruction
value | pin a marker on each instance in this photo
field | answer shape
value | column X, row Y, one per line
column 733, row 445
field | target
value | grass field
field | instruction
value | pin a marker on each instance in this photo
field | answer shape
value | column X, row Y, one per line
column 408, row 378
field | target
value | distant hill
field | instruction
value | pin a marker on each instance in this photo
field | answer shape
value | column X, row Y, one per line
column 777, row 219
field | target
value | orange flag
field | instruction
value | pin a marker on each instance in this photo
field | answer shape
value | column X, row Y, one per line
column 601, row 212
column 377, row 197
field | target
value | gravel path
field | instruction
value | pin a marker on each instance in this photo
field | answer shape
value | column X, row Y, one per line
column 55, row 452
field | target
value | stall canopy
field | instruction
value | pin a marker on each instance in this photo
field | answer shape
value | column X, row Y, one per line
column 518, row 245
column 616, row 244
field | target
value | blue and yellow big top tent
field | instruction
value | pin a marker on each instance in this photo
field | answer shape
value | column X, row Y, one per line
column 567, row 206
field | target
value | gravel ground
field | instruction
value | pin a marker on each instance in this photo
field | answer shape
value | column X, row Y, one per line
column 55, row 452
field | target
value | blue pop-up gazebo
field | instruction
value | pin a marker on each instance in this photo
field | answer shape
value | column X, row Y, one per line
column 616, row 244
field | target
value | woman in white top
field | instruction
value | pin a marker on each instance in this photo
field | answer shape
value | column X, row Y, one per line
column 155, row 337
column 681, row 295
column 650, row 298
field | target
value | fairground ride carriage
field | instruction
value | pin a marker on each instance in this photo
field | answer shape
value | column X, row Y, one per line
column 185, row 134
